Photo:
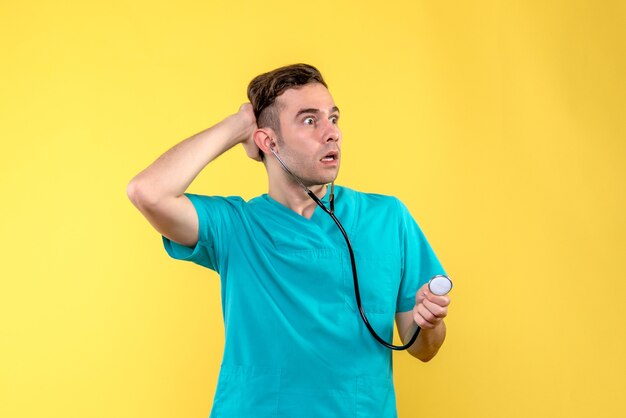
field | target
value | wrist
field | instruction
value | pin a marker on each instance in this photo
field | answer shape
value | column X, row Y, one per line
column 234, row 128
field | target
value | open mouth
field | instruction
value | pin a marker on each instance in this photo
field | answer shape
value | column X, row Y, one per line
column 331, row 156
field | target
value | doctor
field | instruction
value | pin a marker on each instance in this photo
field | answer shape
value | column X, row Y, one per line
column 295, row 345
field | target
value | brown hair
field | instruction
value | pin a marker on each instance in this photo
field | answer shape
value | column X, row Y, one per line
column 265, row 88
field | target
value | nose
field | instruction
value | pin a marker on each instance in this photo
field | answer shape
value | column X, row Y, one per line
column 332, row 133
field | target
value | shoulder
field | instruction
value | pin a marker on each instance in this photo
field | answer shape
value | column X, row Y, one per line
column 216, row 203
column 369, row 200
column 371, row 209
column 206, row 199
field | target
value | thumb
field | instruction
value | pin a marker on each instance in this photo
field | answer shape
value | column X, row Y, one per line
column 421, row 294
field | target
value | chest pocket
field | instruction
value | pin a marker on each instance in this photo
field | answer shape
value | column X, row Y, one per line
column 379, row 281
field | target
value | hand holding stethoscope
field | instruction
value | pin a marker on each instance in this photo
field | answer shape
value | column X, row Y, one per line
column 431, row 302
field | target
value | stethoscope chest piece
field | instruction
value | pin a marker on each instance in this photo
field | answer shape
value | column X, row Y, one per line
column 440, row 285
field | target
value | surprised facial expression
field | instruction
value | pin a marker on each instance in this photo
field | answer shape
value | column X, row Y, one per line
column 310, row 140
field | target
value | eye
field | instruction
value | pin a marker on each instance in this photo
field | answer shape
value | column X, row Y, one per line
column 334, row 119
column 309, row 121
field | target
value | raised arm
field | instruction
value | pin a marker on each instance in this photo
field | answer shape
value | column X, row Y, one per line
column 158, row 190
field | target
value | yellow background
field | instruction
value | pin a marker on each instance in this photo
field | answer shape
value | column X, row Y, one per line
column 499, row 124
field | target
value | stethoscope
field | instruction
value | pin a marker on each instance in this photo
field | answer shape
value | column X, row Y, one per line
column 439, row 285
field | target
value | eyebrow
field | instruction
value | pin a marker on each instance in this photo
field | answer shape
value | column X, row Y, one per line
column 315, row 111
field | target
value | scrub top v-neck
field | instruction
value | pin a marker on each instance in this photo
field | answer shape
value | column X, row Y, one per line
column 294, row 342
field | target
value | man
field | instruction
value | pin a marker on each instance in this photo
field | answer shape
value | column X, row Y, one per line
column 295, row 344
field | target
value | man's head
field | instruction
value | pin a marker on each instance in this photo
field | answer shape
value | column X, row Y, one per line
column 264, row 89
column 297, row 118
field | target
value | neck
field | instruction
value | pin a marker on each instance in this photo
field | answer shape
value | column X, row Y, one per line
column 290, row 194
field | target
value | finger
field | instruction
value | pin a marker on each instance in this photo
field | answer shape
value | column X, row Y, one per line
column 437, row 300
column 438, row 311
column 245, row 107
column 421, row 294
column 426, row 315
column 420, row 320
column 252, row 150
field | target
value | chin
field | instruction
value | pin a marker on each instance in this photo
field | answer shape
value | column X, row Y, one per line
column 329, row 178
column 319, row 182
column 321, row 179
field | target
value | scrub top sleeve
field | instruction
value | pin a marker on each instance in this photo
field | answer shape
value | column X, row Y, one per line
column 214, row 215
column 419, row 262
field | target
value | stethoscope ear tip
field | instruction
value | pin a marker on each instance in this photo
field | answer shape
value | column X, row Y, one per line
column 440, row 285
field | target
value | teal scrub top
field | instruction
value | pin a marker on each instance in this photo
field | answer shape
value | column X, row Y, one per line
column 295, row 345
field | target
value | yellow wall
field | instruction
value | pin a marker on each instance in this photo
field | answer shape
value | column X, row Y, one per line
column 500, row 125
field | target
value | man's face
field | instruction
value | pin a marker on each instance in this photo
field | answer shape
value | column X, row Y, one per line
column 311, row 139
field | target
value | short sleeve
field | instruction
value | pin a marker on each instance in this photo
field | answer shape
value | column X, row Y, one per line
column 216, row 218
column 419, row 262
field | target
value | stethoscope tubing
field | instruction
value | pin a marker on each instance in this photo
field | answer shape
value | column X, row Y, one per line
column 357, row 292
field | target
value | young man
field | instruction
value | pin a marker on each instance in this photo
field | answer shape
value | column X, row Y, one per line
column 295, row 344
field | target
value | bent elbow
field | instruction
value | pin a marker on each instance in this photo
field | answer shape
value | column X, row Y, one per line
column 131, row 191
column 425, row 355
column 137, row 194
column 425, row 358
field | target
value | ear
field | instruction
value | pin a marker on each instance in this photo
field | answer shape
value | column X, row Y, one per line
column 264, row 139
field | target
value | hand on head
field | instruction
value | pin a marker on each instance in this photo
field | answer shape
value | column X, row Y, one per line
column 248, row 125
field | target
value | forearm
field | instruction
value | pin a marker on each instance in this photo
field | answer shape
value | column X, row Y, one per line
column 172, row 173
column 428, row 342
